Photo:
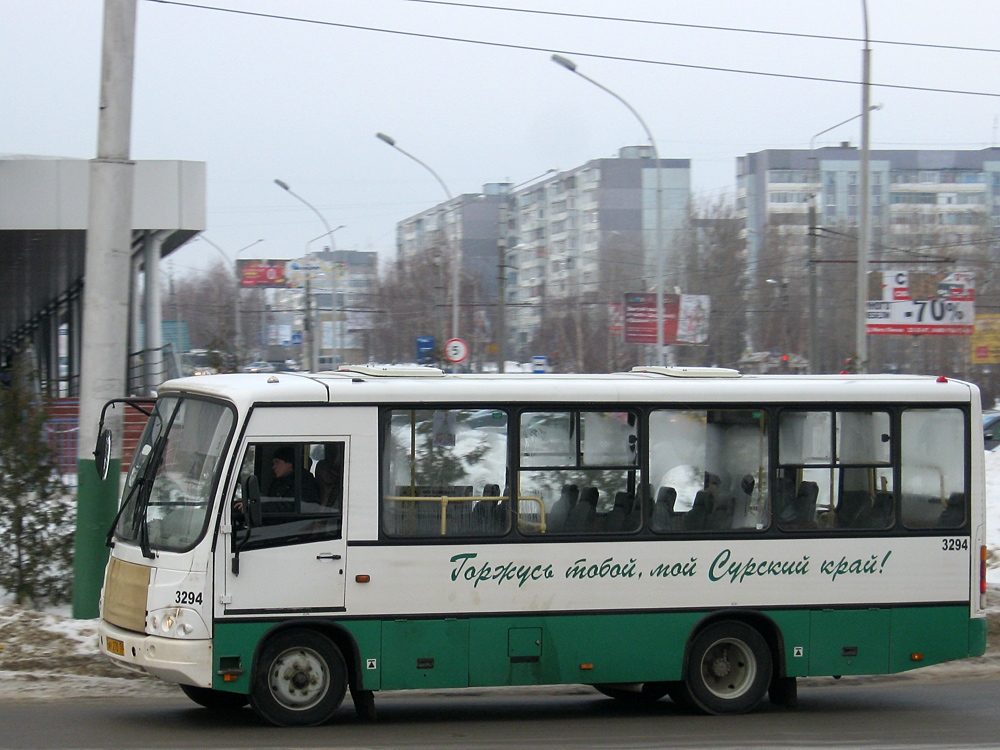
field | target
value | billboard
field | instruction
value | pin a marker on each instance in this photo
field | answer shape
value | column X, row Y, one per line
column 910, row 303
column 986, row 340
column 685, row 318
column 262, row 273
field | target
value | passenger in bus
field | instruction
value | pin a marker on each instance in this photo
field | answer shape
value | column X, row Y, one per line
column 331, row 486
column 283, row 483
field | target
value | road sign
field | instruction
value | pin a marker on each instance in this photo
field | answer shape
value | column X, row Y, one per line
column 425, row 349
column 456, row 350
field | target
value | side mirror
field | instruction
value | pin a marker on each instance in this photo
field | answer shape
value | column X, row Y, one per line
column 102, row 453
column 251, row 496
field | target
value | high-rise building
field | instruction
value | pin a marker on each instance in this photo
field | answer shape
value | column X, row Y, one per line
column 585, row 234
column 932, row 196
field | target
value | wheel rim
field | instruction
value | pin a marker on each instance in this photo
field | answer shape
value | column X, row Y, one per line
column 299, row 678
column 728, row 668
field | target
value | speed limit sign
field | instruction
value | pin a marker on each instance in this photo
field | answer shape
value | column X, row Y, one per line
column 456, row 350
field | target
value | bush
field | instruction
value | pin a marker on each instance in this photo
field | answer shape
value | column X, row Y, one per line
column 37, row 514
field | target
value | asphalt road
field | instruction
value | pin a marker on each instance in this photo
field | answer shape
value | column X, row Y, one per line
column 939, row 714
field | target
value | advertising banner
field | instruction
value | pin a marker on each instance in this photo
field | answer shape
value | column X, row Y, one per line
column 986, row 340
column 685, row 318
column 941, row 304
column 640, row 318
column 262, row 273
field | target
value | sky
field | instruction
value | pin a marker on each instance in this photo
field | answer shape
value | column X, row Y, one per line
column 258, row 98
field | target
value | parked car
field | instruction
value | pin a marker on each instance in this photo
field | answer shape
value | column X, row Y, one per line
column 991, row 429
column 258, row 367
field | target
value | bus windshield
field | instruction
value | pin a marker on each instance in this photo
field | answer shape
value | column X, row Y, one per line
column 169, row 486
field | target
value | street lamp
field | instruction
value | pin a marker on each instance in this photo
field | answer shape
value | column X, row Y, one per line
column 457, row 255
column 864, row 218
column 236, row 276
column 333, row 244
column 660, row 259
column 334, row 288
column 813, row 292
column 312, row 350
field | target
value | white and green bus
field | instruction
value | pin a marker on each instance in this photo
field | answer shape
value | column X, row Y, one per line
column 689, row 532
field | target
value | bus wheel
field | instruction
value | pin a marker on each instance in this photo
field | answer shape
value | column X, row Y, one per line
column 729, row 668
column 215, row 700
column 301, row 679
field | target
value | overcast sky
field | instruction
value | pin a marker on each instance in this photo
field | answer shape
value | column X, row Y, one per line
column 260, row 98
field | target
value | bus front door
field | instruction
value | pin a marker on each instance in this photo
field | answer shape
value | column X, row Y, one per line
column 293, row 558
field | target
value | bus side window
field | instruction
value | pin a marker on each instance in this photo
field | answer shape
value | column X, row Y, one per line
column 292, row 507
column 932, row 470
column 711, row 470
column 442, row 471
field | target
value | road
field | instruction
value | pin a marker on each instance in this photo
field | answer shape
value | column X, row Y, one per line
column 926, row 715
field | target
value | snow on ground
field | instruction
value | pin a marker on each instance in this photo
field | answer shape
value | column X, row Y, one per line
column 47, row 655
column 993, row 515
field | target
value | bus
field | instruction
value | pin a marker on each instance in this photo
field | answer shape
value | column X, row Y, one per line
column 695, row 533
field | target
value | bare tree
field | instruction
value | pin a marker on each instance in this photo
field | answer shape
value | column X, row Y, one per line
column 206, row 302
column 715, row 265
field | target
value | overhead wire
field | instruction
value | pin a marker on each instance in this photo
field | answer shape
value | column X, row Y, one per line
column 576, row 53
column 705, row 27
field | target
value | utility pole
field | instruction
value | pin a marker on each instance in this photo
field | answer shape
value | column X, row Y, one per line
column 501, row 329
column 813, row 292
column 864, row 213
column 105, row 302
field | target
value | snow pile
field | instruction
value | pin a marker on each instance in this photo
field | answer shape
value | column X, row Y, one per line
column 993, row 516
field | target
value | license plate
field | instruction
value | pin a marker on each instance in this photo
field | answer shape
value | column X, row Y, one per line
column 115, row 646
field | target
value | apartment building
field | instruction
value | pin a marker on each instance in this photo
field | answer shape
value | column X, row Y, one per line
column 917, row 196
column 587, row 233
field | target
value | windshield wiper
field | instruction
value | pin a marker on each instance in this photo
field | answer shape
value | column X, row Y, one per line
column 142, row 502
column 142, row 489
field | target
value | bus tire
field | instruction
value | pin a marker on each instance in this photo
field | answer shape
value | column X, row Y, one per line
column 300, row 679
column 784, row 692
column 729, row 668
column 215, row 700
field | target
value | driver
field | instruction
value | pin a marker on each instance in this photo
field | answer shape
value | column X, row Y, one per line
column 283, row 484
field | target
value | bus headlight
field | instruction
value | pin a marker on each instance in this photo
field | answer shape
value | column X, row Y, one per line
column 177, row 622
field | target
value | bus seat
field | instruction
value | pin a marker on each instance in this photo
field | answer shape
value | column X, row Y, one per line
column 722, row 512
column 882, row 512
column 801, row 512
column 555, row 519
column 491, row 490
column 697, row 518
column 581, row 517
column 619, row 513
column 664, row 518
column 853, row 508
column 954, row 512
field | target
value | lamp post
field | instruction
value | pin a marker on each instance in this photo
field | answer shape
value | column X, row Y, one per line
column 456, row 261
column 813, row 292
column 864, row 218
column 236, row 277
column 333, row 291
column 312, row 349
column 660, row 259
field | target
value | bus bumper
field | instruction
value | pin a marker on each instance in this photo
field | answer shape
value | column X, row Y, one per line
column 171, row 659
